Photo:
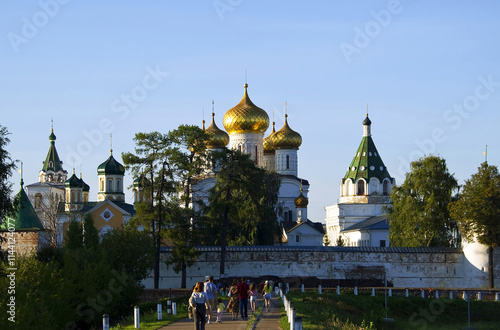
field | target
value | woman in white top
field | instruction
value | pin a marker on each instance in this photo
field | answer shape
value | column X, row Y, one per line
column 199, row 301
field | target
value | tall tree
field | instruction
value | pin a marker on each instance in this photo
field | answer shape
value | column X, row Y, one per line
column 478, row 211
column 186, row 156
column 6, row 168
column 150, row 162
column 419, row 214
column 242, row 204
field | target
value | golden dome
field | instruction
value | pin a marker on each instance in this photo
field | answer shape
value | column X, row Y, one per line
column 301, row 201
column 246, row 117
column 217, row 138
column 286, row 138
column 268, row 143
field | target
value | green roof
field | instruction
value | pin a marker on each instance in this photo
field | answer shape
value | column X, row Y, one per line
column 23, row 213
column 52, row 161
column 367, row 162
column 111, row 166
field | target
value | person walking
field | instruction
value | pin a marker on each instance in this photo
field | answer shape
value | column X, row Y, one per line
column 243, row 289
column 253, row 297
column 234, row 301
column 199, row 302
column 220, row 310
column 266, row 292
column 211, row 291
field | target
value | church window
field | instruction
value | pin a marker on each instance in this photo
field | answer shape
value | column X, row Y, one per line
column 361, row 188
column 297, row 238
column 118, row 185
column 72, row 196
column 382, row 243
column 239, row 148
column 287, row 162
column 51, row 164
column 102, row 185
column 110, row 185
column 385, row 187
column 38, row 201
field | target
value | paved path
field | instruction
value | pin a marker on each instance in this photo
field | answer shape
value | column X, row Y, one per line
column 266, row 320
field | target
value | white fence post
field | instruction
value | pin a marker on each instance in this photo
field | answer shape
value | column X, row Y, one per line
column 451, row 294
column 422, row 293
column 159, row 310
column 437, row 294
column 319, row 289
column 390, row 292
column 479, row 295
column 174, row 308
column 292, row 318
column 169, row 306
column 465, row 296
column 287, row 288
column 298, row 323
column 338, row 290
column 136, row 317
column 302, row 288
column 105, row 322
column 497, row 296
column 355, row 290
column 407, row 293
column 373, row 292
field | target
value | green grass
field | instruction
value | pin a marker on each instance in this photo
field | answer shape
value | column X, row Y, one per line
column 149, row 319
column 329, row 311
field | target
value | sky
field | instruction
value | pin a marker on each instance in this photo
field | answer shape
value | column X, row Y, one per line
column 429, row 72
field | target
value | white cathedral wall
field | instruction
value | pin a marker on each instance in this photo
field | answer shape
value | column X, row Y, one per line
column 248, row 142
column 281, row 161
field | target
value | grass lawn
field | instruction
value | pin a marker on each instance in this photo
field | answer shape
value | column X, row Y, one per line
column 329, row 311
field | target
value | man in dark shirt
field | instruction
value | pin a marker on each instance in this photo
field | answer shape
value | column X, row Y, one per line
column 243, row 296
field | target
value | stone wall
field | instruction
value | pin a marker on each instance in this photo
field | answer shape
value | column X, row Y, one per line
column 345, row 266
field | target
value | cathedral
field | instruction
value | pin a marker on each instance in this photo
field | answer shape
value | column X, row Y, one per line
column 245, row 125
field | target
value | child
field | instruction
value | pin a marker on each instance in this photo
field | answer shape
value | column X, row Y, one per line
column 220, row 310
column 253, row 297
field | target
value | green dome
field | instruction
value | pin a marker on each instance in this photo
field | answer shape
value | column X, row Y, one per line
column 111, row 166
column 73, row 182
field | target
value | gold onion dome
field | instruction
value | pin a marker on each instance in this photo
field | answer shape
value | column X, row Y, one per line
column 301, row 201
column 268, row 144
column 246, row 117
column 217, row 138
column 286, row 138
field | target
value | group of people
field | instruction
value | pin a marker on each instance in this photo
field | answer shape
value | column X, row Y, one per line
column 204, row 297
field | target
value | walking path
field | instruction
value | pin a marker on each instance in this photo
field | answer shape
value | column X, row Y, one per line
column 265, row 320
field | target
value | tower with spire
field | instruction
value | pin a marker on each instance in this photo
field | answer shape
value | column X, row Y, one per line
column 358, row 218
column 110, row 175
column 52, row 169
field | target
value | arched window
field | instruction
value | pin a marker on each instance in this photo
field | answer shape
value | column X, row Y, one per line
column 118, row 185
column 110, row 185
column 101, row 185
column 361, row 188
column 72, row 196
column 38, row 201
column 239, row 148
column 385, row 187
column 51, row 164
column 287, row 162
column 297, row 238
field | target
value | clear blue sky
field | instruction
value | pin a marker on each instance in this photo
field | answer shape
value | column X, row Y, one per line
column 429, row 70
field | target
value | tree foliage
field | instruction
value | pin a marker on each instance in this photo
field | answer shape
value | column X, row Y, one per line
column 72, row 287
column 477, row 210
column 419, row 214
column 6, row 168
